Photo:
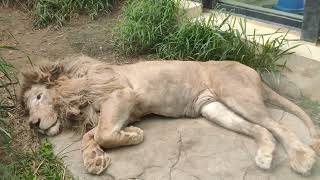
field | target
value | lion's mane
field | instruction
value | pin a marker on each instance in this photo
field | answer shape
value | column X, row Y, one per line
column 80, row 85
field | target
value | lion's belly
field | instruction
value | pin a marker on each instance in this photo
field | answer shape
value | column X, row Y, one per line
column 170, row 108
column 171, row 102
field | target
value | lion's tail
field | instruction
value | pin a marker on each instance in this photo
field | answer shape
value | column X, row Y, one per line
column 275, row 99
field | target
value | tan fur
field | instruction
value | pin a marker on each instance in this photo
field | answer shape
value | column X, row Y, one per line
column 76, row 89
column 103, row 99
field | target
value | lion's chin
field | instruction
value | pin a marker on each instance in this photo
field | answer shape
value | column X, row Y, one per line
column 54, row 130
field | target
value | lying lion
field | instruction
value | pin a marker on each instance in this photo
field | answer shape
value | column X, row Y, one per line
column 104, row 99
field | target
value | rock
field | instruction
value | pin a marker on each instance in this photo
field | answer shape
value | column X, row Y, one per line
column 186, row 149
column 304, row 74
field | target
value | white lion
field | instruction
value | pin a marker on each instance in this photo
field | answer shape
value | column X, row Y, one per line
column 103, row 99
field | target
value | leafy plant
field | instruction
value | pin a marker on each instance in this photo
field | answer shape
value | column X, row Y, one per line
column 144, row 23
column 94, row 7
column 154, row 27
column 214, row 39
column 52, row 11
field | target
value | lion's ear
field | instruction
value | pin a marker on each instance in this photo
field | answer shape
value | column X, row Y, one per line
column 43, row 74
column 30, row 75
column 46, row 75
column 29, row 78
column 50, row 73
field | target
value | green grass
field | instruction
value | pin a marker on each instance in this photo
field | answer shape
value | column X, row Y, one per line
column 206, row 40
column 143, row 29
column 58, row 12
column 144, row 23
column 52, row 12
column 41, row 164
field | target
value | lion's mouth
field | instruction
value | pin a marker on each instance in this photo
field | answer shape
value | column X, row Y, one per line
column 54, row 124
column 52, row 130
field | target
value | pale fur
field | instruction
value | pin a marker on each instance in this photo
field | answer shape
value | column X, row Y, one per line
column 220, row 114
column 102, row 99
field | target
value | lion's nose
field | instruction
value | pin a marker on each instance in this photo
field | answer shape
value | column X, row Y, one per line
column 35, row 124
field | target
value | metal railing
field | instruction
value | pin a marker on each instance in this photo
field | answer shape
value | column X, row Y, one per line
column 309, row 22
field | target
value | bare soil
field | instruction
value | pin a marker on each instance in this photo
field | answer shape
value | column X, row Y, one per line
column 81, row 35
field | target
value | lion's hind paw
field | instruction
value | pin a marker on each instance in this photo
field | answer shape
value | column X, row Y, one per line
column 302, row 160
column 96, row 160
column 263, row 159
column 135, row 134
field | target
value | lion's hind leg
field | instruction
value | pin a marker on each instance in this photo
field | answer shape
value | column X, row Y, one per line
column 220, row 114
column 302, row 157
column 94, row 158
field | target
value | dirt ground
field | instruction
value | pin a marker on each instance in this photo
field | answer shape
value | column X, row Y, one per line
column 79, row 36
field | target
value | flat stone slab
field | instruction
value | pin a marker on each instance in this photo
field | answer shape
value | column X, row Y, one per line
column 186, row 149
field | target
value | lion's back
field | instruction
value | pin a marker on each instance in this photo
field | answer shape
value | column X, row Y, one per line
column 166, row 88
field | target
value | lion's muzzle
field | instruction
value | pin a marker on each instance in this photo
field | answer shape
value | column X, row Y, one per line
column 35, row 124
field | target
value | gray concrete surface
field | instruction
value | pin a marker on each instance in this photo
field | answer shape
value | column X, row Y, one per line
column 305, row 74
column 186, row 149
column 300, row 77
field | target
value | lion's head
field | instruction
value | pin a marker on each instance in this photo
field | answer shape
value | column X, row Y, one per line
column 38, row 98
column 66, row 94
column 42, row 115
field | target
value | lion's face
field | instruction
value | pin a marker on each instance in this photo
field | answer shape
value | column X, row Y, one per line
column 42, row 115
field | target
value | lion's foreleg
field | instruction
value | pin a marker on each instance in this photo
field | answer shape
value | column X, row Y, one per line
column 220, row 114
column 111, row 131
column 114, row 115
column 94, row 158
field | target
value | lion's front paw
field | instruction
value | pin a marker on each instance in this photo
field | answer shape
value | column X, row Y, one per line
column 263, row 159
column 302, row 160
column 135, row 133
column 95, row 160
column 316, row 146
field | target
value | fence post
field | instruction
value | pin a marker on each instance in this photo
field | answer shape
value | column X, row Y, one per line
column 311, row 21
column 209, row 4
